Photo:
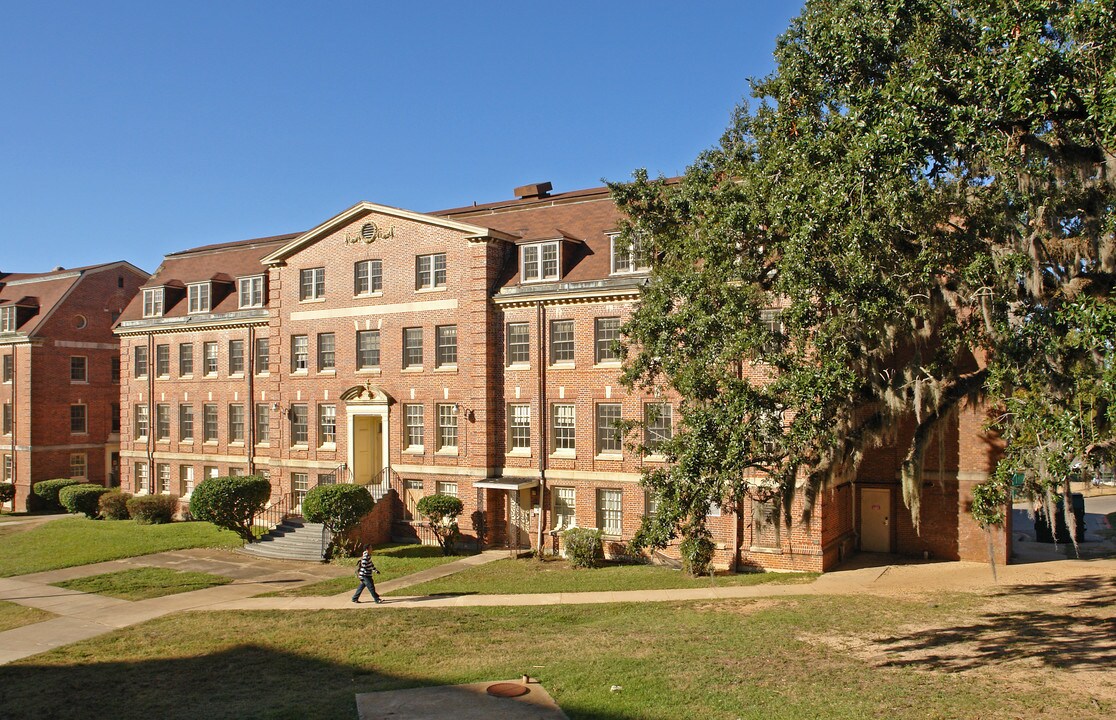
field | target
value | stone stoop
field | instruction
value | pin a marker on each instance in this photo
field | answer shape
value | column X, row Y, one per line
column 294, row 539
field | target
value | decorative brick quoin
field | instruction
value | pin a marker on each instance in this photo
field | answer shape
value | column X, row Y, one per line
column 59, row 374
column 469, row 352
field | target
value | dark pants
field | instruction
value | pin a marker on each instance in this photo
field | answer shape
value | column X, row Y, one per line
column 366, row 582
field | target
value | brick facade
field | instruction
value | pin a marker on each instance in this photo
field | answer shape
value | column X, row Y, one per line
column 60, row 390
column 493, row 381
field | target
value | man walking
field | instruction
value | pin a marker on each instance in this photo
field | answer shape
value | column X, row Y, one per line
column 365, row 568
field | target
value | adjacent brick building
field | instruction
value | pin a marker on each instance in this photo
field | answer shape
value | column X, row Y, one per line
column 468, row 351
column 59, row 374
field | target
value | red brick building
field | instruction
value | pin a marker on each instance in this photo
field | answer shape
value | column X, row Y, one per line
column 468, row 351
column 59, row 374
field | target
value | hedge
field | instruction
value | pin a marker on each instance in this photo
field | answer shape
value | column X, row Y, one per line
column 152, row 509
column 584, row 546
column 82, row 498
column 114, row 505
column 230, row 502
column 46, row 493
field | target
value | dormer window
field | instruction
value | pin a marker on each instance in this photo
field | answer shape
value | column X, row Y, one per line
column 8, row 319
column 539, row 261
column 198, row 298
column 251, row 292
column 153, row 302
column 628, row 256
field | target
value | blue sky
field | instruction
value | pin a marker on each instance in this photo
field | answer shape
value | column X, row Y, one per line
column 129, row 130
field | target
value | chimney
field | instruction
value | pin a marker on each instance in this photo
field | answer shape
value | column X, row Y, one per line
column 536, row 190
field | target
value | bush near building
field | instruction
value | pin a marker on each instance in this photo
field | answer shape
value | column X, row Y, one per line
column 83, row 498
column 114, row 505
column 152, row 509
column 46, row 493
column 231, row 502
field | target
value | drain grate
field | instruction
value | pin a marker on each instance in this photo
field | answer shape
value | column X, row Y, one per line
column 507, row 690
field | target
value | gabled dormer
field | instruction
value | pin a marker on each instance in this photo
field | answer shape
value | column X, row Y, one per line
column 199, row 297
column 158, row 299
column 251, row 292
column 628, row 256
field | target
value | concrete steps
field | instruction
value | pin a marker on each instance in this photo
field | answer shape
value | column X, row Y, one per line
column 292, row 540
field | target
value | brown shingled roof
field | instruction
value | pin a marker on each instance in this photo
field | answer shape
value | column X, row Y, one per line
column 45, row 290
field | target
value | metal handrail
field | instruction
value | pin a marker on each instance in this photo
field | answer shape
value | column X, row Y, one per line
column 378, row 486
column 275, row 513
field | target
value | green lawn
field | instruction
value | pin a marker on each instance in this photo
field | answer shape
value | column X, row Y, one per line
column 79, row 541
column 839, row 658
column 395, row 560
column 13, row 615
column 527, row 575
column 143, row 583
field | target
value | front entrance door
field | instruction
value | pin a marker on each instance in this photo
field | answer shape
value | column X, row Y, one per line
column 364, row 441
column 875, row 520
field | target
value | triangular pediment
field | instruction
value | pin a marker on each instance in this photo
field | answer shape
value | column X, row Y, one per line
column 365, row 209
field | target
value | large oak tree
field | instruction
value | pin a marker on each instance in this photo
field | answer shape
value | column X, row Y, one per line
column 926, row 190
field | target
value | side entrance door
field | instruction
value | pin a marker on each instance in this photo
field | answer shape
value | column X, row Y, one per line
column 875, row 520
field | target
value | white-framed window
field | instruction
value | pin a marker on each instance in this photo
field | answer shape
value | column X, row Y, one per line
column 447, row 426
column 540, row 261
column 772, row 320
column 79, row 418
column 608, row 432
column 162, row 361
column 185, row 359
column 263, row 423
column 519, row 427
column 251, row 292
column 300, row 424
column 657, row 425
column 561, row 341
column 311, row 283
column 430, row 271
column 210, row 471
column 6, row 473
column 327, row 424
column 197, row 298
column 141, row 477
column 162, row 474
column 327, row 344
column 236, row 423
column 562, row 418
column 162, row 422
column 446, row 488
column 300, row 353
column 368, row 277
column 519, row 343
column 412, row 347
column 185, row 423
column 6, row 422
column 413, row 427
column 368, row 349
column 140, row 426
column 300, row 485
column 606, row 334
column 6, row 368
column 263, row 356
column 236, row 357
column 185, row 480
column 79, row 369
column 139, row 361
column 445, row 351
column 209, row 422
column 650, row 504
column 209, row 358
column 628, row 256
column 8, row 317
column 79, row 465
column 152, row 302
column 610, row 512
column 565, row 507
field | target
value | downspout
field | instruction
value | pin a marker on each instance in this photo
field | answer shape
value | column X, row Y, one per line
column 544, row 444
column 151, row 413
column 250, row 370
column 15, row 426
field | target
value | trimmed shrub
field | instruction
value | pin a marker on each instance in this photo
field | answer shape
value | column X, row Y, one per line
column 338, row 507
column 152, row 509
column 442, row 512
column 114, row 505
column 230, row 502
column 46, row 493
column 584, row 546
column 697, row 554
column 82, row 498
column 7, row 492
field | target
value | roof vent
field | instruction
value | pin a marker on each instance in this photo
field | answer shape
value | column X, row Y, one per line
column 536, row 190
column 58, row 269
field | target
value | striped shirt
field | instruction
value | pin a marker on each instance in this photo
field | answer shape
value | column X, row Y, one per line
column 365, row 568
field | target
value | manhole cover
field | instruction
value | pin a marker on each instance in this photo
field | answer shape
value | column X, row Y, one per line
column 508, row 690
